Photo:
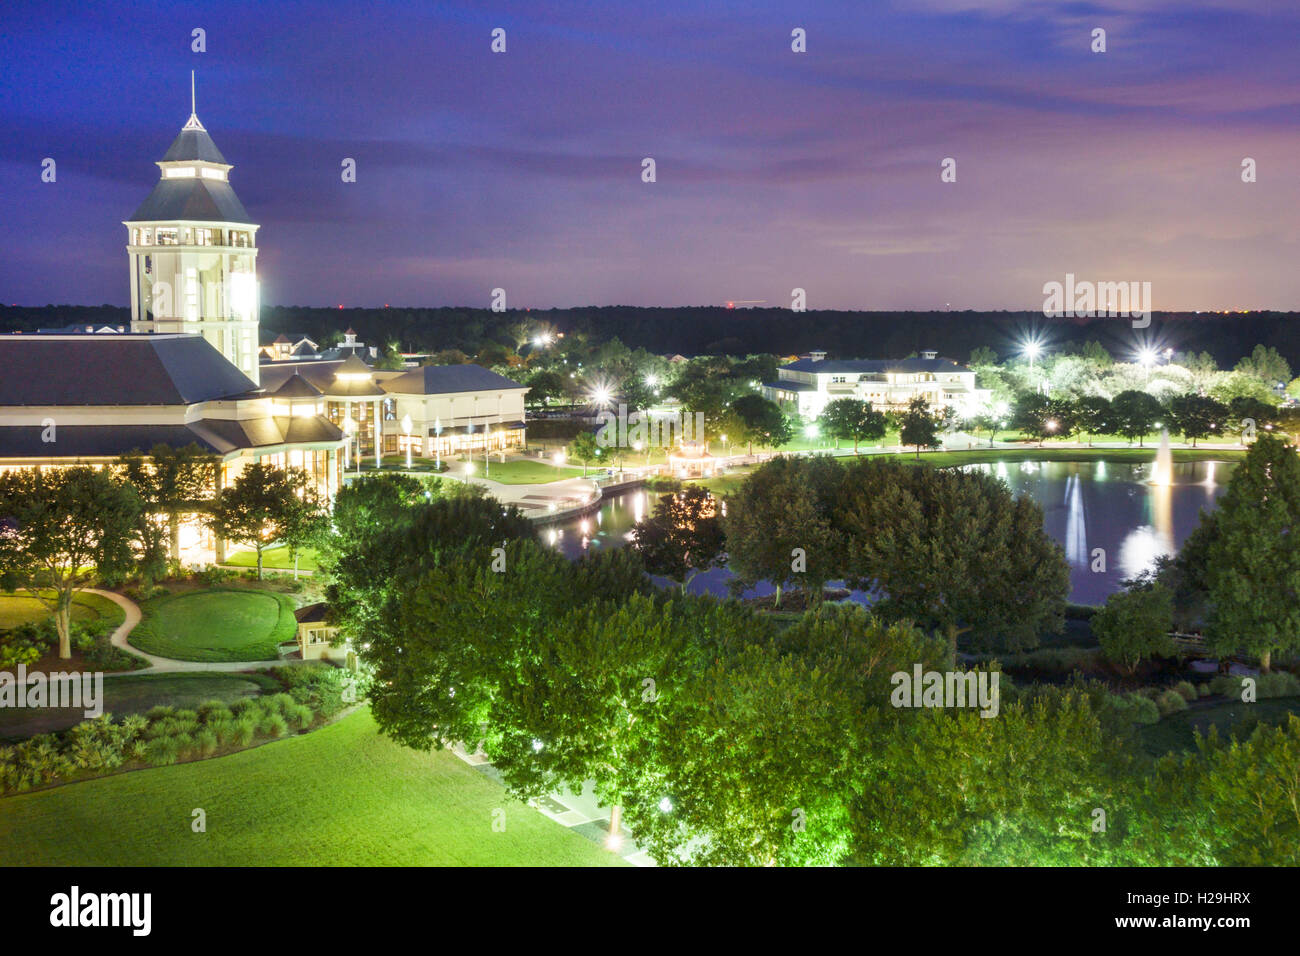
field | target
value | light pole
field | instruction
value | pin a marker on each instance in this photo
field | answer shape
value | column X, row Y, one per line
column 437, row 444
column 406, row 427
column 487, row 443
column 559, row 460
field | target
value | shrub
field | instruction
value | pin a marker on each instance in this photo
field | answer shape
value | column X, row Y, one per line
column 186, row 747
column 273, row 725
column 25, row 644
column 300, row 716
column 1134, row 708
column 161, row 751
column 1203, row 690
column 1186, row 689
column 214, row 574
column 223, row 729
column 245, row 731
column 159, row 712
column 1277, row 684
column 1170, row 702
column 211, row 710
column 277, row 703
column 205, row 740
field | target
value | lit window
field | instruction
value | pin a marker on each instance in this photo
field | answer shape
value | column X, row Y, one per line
column 179, row 172
column 219, row 174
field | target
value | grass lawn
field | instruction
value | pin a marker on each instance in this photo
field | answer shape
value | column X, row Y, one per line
column 1174, row 733
column 524, row 471
column 20, row 608
column 275, row 559
column 339, row 796
column 221, row 624
column 135, row 695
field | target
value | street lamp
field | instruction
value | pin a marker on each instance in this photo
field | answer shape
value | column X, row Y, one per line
column 559, row 460
column 437, row 444
column 406, row 427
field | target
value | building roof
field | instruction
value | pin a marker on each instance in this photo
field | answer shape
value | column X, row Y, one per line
column 440, row 379
column 312, row 613
column 791, row 386
column 198, row 199
column 193, row 144
column 121, row 369
column 219, row 436
column 295, row 386
column 837, row 366
column 322, row 374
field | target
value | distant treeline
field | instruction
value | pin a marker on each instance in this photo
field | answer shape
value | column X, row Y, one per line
column 711, row 330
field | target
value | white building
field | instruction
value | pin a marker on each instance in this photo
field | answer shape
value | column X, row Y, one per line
column 193, row 252
column 805, row 387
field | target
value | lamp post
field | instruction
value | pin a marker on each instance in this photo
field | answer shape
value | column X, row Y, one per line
column 406, row 427
column 437, row 444
column 559, row 460
column 487, row 444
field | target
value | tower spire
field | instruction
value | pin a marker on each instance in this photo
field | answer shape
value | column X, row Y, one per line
column 193, row 121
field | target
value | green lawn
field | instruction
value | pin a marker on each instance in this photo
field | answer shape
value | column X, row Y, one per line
column 1175, row 732
column 275, row 559
column 523, row 471
column 135, row 695
column 222, row 624
column 339, row 796
column 20, row 608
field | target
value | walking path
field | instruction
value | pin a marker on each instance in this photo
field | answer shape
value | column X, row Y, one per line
column 164, row 665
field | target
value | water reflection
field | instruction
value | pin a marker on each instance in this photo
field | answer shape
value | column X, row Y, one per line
column 1086, row 506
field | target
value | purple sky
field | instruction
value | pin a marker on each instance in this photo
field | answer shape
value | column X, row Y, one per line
column 775, row 169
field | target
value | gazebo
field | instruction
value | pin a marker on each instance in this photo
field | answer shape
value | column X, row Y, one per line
column 691, row 459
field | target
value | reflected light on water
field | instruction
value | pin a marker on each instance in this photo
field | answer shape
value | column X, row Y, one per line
column 1076, row 524
column 1141, row 548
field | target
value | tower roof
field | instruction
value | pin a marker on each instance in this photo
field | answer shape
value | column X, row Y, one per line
column 193, row 144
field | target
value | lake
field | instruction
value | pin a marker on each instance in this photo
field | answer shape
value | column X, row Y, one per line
column 1086, row 506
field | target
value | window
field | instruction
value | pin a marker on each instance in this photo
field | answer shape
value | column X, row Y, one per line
column 219, row 174
column 167, row 237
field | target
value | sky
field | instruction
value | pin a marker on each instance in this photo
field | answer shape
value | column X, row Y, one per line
column 775, row 170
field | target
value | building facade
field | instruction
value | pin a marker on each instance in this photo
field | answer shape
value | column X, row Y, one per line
column 805, row 387
column 451, row 409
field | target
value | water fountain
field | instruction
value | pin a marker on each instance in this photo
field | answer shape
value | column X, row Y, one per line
column 1163, row 473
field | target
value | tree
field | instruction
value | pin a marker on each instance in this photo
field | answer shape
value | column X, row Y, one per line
column 778, row 525
column 1266, row 364
column 851, row 419
column 1133, row 626
column 579, row 707
column 62, row 530
column 753, row 419
column 982, row 355
column 683, row 537
column 953, row 550
column 1198, row 416
column 259, row 507
column 1094, row 416
column 584, row 448
column 1249, row 415
column 918, row 427
column 172, row 481
column 1043, row 417
column 747, row 766
column 305, row 522
column 1135, row 414
column 1253, row 561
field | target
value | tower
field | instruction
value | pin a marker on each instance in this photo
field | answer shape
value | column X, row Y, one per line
column 193, row 251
